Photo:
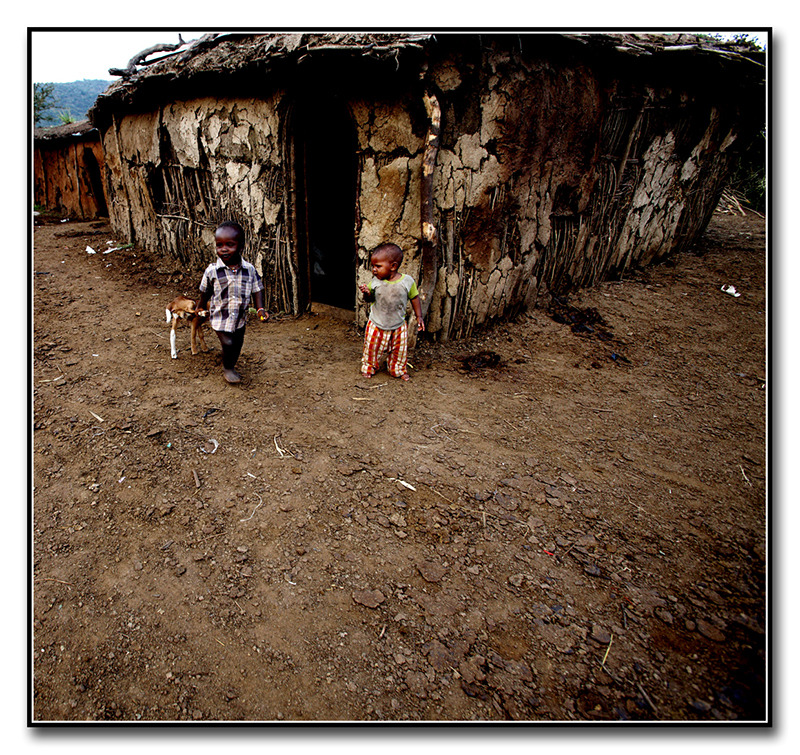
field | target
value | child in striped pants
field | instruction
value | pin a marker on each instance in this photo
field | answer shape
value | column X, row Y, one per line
column 386, row 335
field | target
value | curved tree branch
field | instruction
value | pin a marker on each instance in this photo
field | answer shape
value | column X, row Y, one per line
column 141, row 58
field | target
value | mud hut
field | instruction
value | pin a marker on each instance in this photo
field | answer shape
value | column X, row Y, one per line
column 68, row 168
column 505, row 165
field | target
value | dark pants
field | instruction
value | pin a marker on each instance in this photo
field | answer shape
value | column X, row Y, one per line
column 231, row 346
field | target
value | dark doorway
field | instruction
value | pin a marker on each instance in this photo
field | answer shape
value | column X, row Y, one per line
column 96, row 181
column 325, row 151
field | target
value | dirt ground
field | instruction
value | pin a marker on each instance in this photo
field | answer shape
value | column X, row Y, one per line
column 570, row 527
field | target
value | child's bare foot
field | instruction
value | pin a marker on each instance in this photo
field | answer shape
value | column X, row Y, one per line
column 405, row 377
column 231, row 376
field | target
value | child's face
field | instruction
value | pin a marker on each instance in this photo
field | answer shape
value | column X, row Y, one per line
column 228, row 245
column 382, row 267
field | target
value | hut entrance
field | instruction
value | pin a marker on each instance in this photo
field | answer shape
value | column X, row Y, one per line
column 325, row 152
column 96, row 181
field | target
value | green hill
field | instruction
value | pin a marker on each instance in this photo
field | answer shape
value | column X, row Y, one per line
column 73, row 98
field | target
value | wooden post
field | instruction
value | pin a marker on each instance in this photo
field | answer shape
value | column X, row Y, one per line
column 429, row 266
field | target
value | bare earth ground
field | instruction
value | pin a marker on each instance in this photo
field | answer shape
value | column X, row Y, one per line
column 575, row 533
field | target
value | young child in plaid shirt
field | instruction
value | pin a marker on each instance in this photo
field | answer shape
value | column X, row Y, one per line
column 386, row 335
column 225, row 292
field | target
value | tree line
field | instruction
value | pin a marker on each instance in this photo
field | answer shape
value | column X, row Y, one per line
column 65, row 102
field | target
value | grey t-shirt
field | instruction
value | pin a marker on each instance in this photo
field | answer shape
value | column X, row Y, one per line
column 388, row 311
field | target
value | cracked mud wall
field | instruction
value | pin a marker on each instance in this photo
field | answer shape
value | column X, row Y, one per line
column 177, row 172
column 554, row 171
column 390, row 164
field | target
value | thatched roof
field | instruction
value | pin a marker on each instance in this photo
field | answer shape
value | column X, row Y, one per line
column 235, row 50
column 66, row 131
column 203, row 63
column 199, row 67
column 656, row 44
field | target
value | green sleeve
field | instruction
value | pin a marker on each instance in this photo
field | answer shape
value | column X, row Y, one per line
column 413, row 292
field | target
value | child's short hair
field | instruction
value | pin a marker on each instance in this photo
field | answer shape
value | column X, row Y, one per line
column 392, row 252
column 234, row 226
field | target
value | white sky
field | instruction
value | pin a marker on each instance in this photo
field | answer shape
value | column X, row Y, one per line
column 75, row 55
column 58, row 56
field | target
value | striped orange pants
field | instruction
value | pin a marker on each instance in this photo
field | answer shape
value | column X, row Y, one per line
column 389, row 344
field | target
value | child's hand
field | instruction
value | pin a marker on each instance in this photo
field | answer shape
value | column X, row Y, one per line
column 364, row 288
column 420, row 325
column 263, row 315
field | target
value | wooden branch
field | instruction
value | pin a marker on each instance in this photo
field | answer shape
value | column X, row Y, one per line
column 188, row 220
column 429, row 267
column 363, row 50
column 623, row 163
column 141, row 57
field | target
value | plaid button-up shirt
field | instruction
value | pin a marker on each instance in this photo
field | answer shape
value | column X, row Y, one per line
column 231, row 289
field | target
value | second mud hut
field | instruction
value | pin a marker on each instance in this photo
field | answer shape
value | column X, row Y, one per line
column 68, row 170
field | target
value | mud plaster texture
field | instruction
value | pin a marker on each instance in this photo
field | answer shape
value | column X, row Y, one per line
column 550, row 168
column 574, row 533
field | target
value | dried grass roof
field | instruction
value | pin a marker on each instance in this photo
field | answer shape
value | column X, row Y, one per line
column 64, row 131
column 223, row 54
